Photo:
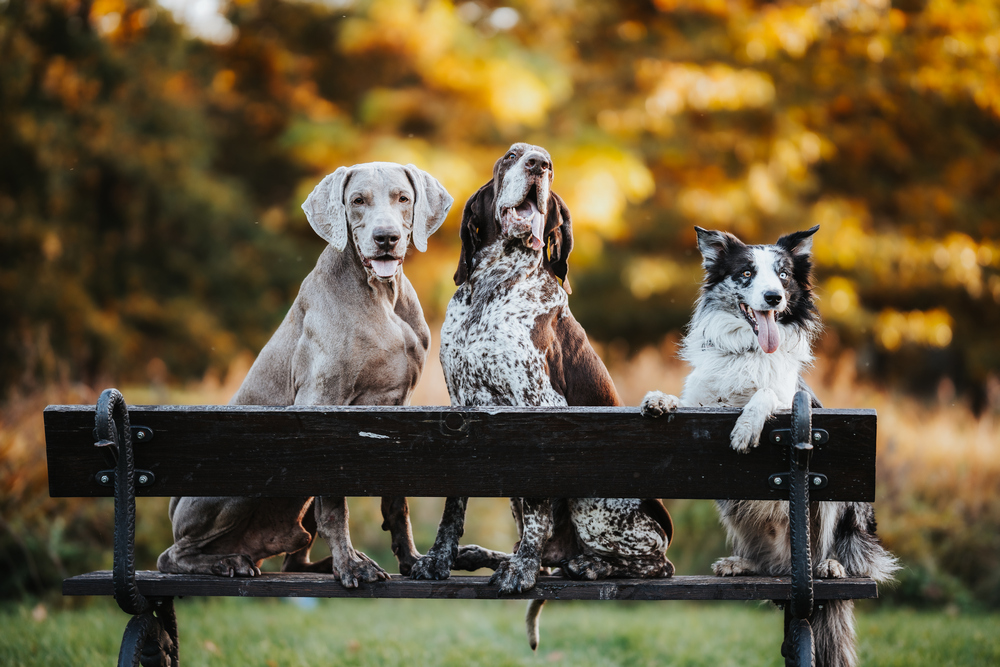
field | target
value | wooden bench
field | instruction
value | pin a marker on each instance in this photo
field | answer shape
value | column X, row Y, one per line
column 432, row 451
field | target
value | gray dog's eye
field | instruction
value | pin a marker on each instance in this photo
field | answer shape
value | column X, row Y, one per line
column 358, row 201
column 403, row 198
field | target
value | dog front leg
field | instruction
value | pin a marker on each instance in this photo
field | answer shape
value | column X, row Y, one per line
column 746, row 433
column 438, row 561
column 396, row 520
column 350, row 565
column 518, row 574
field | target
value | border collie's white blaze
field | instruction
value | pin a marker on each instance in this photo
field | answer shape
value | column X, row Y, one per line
column 747, row 344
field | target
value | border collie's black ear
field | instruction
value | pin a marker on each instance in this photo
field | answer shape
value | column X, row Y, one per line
column 558, row 239
column 477, row 214
column 714, row 244
column 798, row 243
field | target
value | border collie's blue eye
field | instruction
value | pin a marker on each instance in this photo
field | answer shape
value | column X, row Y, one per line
column 510, row 156
column 783, row 275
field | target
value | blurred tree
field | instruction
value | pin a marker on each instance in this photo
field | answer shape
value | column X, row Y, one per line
column 119, row 241
column 882, row 124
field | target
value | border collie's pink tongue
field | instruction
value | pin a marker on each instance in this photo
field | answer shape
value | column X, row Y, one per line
column 385, row 268
column 767, row 330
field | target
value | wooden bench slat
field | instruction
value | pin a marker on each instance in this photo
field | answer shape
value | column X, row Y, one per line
column 152, row 583
column 482, row 452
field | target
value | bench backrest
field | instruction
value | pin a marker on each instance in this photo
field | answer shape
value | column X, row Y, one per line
column 439, row 451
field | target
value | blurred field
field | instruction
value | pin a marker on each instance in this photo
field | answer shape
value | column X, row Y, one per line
column 938, row 468
column 462, row 633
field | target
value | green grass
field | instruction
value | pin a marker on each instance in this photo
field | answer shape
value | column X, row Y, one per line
column 462, row 633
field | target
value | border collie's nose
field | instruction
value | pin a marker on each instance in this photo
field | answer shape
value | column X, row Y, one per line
column 535, row 162
column 385, row 238
column 772, row 298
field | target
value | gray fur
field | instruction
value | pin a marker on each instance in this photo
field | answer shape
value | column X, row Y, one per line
column 351, row 337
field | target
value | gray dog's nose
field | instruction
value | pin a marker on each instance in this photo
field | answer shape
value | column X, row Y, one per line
column 772, row 298
column 536, row 162
column 385, row 237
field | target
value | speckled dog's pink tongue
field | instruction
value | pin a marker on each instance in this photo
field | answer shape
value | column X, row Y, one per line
column 767, row 330
column 528, row 208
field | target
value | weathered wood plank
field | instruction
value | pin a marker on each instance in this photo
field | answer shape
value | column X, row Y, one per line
column 152, row 583
column 419, row 451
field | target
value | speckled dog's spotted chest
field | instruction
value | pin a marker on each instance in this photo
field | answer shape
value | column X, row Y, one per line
column 486, row 348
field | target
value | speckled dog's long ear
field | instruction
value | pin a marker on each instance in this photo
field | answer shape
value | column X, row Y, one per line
column 558, row 239
column 477, row 215
column 431, row 205
column 324, row 208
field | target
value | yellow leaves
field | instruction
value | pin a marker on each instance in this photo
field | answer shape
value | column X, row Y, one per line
column 63, row 82
column 646, row 276
column 597, row 184
column 931, row 328
column 676, row 87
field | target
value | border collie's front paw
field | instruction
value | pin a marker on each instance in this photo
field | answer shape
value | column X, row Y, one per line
column 830, row 569
column 657, row 404
column 745, row 435
column 733, row 566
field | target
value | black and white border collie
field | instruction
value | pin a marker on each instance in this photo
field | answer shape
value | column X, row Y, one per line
column 748, row 343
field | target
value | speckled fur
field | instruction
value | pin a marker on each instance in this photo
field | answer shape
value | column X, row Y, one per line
column 729, row 368
column 509, row 338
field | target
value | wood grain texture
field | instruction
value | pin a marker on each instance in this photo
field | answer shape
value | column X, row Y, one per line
column 421, row 451
column 152, row 583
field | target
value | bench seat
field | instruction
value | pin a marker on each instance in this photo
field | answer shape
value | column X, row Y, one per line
column 287, row 584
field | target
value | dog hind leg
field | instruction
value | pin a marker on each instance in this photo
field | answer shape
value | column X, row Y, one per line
column 396, row 520
column 438, row 561
column 350, row 565
column 519, row 573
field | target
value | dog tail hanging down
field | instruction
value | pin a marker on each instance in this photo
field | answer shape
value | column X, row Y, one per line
column 531, row 621
column 862, row 555
column 835, row 638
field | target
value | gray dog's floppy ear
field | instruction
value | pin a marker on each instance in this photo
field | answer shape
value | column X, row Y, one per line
column 325, row 210
column 714, row 244
column 430, row 207
column 558, row 239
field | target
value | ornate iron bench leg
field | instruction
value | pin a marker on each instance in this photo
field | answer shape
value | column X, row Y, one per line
column 798, row 646
column 151, row 636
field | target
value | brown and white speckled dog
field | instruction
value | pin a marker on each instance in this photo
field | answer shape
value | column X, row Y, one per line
column 509, row 339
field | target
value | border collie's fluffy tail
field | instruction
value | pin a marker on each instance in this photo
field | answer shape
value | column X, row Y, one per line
column 862, row 555
column 531, row 621
column 833, row 634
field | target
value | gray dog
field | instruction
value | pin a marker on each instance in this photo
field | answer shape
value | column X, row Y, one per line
column 355, row 335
